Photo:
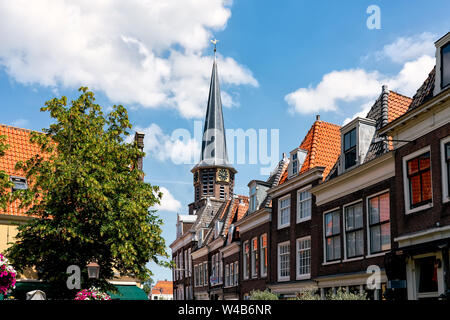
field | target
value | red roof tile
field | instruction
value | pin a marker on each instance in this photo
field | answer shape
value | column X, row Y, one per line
column 323, row 144
column 163, row 287
column 397, row 105
column 20, row 149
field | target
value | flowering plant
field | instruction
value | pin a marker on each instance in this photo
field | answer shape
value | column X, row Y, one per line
column 7, row 276
column 92, row 294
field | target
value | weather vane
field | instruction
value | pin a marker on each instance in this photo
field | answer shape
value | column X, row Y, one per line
column 214, row 42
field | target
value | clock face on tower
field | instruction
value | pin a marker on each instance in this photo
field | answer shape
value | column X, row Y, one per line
column 223, row 175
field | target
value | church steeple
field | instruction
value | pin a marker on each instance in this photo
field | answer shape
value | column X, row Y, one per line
column 213, row 175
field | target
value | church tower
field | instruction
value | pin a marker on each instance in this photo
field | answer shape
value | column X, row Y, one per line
column 213, row 175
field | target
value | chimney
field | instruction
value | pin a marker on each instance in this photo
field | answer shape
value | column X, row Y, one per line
column 139, row 139
column 318, row 117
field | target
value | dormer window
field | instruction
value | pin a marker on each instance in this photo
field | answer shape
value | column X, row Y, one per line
column 442, row 80
column 294, row 164
column 19, row 183
column 217, row 228
column 296, row 161
column 350, row 148
column 445, row 65
column 252, row 198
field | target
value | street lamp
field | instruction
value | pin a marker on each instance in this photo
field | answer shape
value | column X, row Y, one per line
column 93, row 270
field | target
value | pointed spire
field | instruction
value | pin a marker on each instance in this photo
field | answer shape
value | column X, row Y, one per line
column 214, row 147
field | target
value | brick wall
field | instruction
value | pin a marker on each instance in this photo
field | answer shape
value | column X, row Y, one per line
column 440, row 212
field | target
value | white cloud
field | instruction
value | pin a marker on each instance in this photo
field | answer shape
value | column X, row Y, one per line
column 148, row 53
column 409, row 48
column 345, row 85
column 168, row 202
column 164, row 147
column 356, row 85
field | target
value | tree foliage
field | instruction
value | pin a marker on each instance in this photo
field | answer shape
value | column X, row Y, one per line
column 262, row 295
column 88, row 197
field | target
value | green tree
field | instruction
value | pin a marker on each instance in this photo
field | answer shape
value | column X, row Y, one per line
column 90, row 200
column 147, row 286
column 262, row 295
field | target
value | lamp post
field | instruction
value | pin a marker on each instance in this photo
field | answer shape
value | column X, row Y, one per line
column 93, row 270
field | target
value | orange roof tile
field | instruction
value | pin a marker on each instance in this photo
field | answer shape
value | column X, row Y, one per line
column 323, row 144
column 163, row 287
column 20, row 149
column 397, row 105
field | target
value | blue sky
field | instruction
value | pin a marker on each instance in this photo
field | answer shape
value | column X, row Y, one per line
column 280, row 64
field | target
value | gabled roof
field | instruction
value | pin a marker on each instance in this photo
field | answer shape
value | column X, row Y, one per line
column 323, row 146
column 20, row 149
column 234, row 210
column 425, row 92
column 397, row 105
column 163, row 287
column 389, row 106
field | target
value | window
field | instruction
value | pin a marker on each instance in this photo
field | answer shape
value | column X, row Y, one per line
column 379, row 224
column 236, row 273
column 419, row 180
column 196, row 276
column 304, row 206
column 205, row 273
column 200, row 275
column 182, row 264
column 445, row 65
column 227, row 275
column 332, row 236
column 19, row 183
column 294, row 164
column 246, row 262
column 222, row 192
column 303, row 258
column 263, row 255
column 350, row 148
column 354, row 232
column 208, row 181
column 214, row 269
column 284, row 206
column 252, row 198
column 254, row 257
column 283, row 261
column 445, row 153
column 427, row 270
column 220, row 268
column 190, row 262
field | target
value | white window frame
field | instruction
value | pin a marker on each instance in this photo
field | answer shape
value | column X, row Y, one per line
column 405, row 159
column 287, row 224
column 288, row 277
column 297, row 244
column 344, row 229
column 246, row 274
column 305, row 189
column 324, row 238
column 445, row 191
column 369, row 252
column 261, row 260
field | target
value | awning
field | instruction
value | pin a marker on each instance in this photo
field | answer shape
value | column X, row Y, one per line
column 128, row 292
column 23, row 287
